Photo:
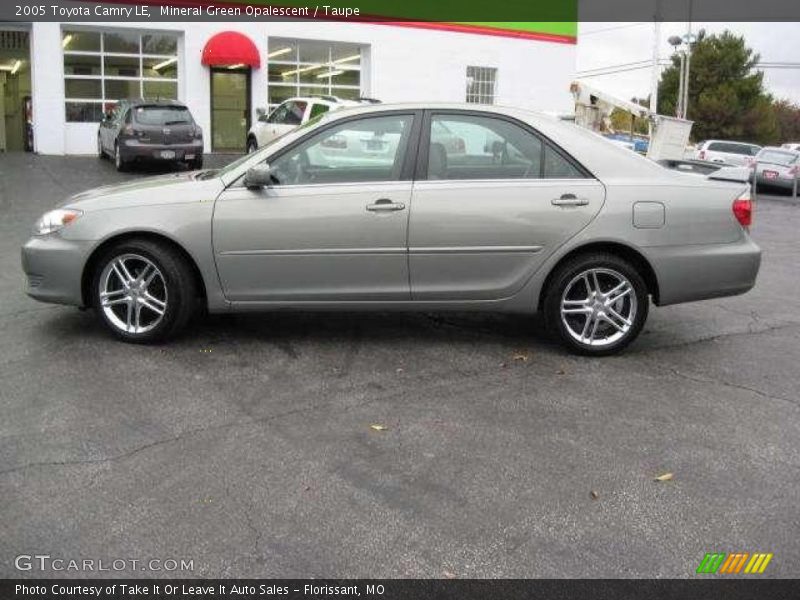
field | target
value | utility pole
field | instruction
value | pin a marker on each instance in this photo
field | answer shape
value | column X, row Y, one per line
column 655, row 72
column 685, row 103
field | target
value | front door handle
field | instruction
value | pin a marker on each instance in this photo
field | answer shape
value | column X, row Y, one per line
column 569, row 200
column 384, row 204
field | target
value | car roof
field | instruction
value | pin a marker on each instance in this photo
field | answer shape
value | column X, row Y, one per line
column 732, row 142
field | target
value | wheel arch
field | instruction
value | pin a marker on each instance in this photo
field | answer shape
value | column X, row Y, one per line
column 91, row 263
column 632, row 255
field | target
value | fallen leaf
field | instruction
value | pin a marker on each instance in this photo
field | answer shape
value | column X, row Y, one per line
column 521, row 356
column 561, row 372
column 594, row 495
column 449, row 575
column 378, row 427
column 664, row 477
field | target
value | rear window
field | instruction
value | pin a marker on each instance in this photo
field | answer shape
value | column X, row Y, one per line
column 162, row 115
column 777, row 158
column 733, row 148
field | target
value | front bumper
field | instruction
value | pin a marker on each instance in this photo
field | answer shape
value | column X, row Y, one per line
column 702, row 271
column 135, row 150
column 53, row 268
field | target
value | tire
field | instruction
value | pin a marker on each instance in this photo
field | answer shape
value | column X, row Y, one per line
column 119, row 162
column 196, row 164
column 252, row 145
column 131, row 312
column 596, row 324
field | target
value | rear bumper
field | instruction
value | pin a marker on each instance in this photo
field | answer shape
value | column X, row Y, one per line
column 53, row 268
column 134, row 150
column 688, row 273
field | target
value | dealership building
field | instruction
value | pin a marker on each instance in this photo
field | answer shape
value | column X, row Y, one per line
column 58, row 79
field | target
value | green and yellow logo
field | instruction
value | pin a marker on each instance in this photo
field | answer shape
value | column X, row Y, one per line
column 736, row 562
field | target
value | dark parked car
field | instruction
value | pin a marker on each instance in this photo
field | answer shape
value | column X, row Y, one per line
column 158, row 130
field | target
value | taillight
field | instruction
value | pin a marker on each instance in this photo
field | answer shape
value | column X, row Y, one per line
column 743, row 210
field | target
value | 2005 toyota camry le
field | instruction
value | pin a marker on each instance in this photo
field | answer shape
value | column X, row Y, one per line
column 404, row 207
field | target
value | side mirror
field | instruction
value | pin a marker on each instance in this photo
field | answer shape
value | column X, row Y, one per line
column 261, row 111
column 257, row 177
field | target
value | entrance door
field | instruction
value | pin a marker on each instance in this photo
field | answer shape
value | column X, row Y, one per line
column 16, row 131
column 230, row 109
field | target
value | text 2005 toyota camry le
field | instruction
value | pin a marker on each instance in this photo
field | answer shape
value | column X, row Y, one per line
column 405, row 207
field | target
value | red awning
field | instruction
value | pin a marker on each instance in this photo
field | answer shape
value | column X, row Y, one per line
column 230, row 48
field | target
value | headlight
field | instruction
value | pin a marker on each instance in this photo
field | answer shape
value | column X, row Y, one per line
column 55, row 220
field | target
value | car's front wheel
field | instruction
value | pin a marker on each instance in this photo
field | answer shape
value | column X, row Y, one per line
column 596, row 304
column 144, row 291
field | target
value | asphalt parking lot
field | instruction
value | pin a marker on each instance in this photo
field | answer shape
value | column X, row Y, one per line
column 246, row 446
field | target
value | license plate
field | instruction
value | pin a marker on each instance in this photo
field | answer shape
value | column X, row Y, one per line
column 168, row 154
column 770, row 174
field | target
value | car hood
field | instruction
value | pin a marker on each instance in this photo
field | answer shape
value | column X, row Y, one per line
column 162, row 189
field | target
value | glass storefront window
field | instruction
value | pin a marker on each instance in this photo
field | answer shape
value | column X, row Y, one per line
column 101, row 68
column 312, row 68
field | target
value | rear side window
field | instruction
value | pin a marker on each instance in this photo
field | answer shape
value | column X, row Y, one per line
column 558, row 167
column 482, row 147
column 162, row 115
column 318, row 109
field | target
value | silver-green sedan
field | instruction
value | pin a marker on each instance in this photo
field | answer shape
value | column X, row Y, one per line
column 365, row 209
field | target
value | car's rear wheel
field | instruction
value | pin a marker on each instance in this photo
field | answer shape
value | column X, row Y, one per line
column 596, row 304
column 119, row 162
column 144, row 291
column 252, row 145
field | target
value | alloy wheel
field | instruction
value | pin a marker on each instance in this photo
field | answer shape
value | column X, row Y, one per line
column 598, row 307
column 133, row 293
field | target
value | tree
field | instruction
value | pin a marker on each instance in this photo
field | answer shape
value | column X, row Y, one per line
column 788, row 116
column 726, row 92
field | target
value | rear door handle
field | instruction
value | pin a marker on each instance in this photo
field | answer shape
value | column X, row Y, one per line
column 569, row 200
column 385, row 205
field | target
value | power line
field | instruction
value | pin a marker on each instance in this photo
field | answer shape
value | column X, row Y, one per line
column 616, row 27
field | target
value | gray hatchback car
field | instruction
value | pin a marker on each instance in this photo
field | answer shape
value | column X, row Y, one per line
column 366, row 209
column 150, row 130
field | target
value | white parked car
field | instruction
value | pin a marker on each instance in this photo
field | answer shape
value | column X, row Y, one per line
column 735, row 154
column 290, row 114
column 791, row 146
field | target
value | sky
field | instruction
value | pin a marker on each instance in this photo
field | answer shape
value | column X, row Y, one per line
column 610, row 44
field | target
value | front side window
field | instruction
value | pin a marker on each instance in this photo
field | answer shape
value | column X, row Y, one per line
column 102, row 68
column 478, row 147
column 361, row 150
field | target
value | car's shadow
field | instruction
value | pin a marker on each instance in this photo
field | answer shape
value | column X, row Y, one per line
column 290, row 327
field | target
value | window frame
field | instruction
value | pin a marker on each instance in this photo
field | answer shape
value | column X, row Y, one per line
column 409, row 160
column 104, row 78
column 423, row 150
column 292, row 62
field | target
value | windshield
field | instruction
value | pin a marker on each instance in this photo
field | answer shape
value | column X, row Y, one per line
column 162, row 115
